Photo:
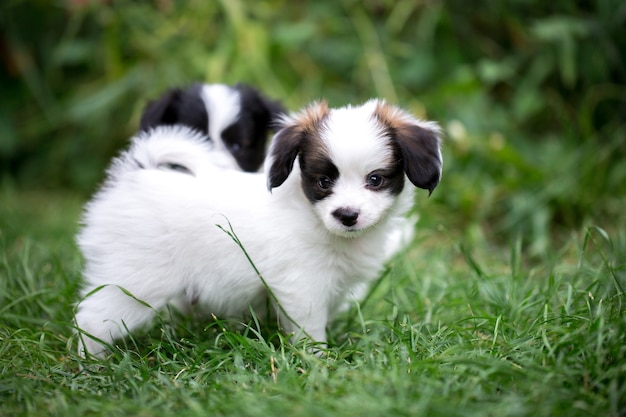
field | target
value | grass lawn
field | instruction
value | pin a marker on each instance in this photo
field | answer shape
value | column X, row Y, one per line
column 510, row 301
column 459, row 325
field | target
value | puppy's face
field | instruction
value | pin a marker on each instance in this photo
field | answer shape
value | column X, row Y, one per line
column 354, row 161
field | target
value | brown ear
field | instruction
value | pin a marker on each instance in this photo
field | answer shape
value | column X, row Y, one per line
column 419, row 145
column 287, row 143
column 418, row 142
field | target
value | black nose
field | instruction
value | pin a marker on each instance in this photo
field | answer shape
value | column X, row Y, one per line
column 346, row 216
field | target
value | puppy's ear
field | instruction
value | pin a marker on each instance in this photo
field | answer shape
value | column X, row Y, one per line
column 290, row 141
column 421, row 157
column 418, row 142
column 267, row 112
column 177, row 106
column 283, row 152
column 163, row 111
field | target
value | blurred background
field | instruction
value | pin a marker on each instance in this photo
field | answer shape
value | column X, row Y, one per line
column 531, row 94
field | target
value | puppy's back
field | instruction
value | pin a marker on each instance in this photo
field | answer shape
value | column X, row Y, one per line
column 176, row 148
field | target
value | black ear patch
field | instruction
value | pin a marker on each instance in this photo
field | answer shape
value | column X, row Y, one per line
column 285, row 148
column 290, row 140
column 177, row 106
column 418, row 143
column 421, row 157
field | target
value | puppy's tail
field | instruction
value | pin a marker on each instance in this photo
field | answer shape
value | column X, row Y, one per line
column 174, row 148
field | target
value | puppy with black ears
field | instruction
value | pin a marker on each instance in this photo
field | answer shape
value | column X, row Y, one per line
column 237, row 119
column 339, row 179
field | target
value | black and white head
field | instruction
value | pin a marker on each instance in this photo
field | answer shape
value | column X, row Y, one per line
column 236, row 118
column 354, row 162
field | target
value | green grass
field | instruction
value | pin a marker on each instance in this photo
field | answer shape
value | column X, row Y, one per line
column 457, row 326
column 509, row 303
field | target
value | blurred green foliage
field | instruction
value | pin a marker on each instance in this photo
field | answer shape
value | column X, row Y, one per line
column 532, row 94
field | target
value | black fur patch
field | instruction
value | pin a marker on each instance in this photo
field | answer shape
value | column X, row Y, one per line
column 245, row 139
column 417, row 145
column 420, row 153
column 286, row 148
column 173, row 166
column 177, row 106
column 316, row 166
column 393, row 175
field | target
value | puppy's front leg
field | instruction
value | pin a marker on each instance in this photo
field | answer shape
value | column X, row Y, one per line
column 303, row 315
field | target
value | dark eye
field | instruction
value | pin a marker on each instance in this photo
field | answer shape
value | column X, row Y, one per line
column 323, row 183
column 235, row 147
column 375, row 180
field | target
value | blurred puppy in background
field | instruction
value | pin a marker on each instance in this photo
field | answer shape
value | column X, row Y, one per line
column 237, row 119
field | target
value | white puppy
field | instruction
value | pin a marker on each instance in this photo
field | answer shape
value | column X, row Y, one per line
column 156, row 232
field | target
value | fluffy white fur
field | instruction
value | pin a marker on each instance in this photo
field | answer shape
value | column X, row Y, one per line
column 151, row 233
column 223, row 104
